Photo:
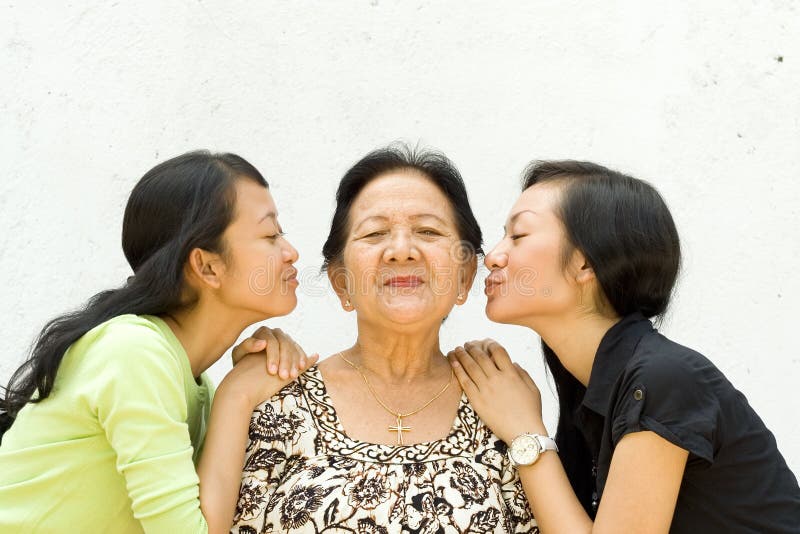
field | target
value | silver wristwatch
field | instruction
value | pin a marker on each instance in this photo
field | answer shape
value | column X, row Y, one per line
column 525, row 449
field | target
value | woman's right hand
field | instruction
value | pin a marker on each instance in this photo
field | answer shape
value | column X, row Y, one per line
column 503, row 394
column 263, row 364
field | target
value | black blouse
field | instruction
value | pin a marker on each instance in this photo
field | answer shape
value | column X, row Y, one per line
column 735, row 479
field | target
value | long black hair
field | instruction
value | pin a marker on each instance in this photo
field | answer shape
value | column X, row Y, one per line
column 184, row 203
column 625, row 231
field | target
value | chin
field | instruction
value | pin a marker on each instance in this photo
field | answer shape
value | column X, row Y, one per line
column 497, row 313
column 407, row 318
column 409, row 314
column 284, row 305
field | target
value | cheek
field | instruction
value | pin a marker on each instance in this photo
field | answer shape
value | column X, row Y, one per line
column 361, row 265
column 258, row 257
column 444, row 274
column 258, row 268
column 535, row 269
column 357, row 269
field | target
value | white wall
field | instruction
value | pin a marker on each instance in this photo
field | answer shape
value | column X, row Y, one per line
column 692, row 96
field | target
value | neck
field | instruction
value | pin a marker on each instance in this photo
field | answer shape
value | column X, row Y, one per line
column 398, row 357
column 204, row 333
column 575, row 339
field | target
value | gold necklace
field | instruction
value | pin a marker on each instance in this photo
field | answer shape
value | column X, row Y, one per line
column 399, row 428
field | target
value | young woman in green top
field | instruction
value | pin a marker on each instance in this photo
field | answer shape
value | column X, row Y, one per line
column 108, row 415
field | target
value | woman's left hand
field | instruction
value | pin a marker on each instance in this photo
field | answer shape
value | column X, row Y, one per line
column 285, row 358
column 502, row 393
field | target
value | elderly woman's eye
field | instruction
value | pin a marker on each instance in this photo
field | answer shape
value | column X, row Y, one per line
column 430, row 231
column 376, row 234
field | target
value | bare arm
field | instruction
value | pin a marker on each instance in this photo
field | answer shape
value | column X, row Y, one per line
column 220, row 467
column 643, row 484
column 645, row 474
column 252, row 380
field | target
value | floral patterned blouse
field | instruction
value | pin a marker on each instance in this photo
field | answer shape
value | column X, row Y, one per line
column 302, row 473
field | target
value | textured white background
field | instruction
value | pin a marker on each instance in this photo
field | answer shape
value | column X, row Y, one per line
column 702, row 99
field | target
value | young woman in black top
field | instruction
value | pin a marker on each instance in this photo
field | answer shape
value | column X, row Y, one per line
column 651, row 435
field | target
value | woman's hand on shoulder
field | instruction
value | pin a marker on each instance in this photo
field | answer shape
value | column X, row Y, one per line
column 284, row 357
column 502, row 393
column 264, row 363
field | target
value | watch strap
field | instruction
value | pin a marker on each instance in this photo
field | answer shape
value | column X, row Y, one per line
column 547, row 443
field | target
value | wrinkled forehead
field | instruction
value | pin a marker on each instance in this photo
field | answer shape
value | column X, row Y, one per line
column 401, row 196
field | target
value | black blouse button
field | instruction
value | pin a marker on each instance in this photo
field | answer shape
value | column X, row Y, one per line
column 638, row 394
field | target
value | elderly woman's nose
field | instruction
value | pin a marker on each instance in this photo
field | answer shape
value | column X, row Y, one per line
column 401, row 247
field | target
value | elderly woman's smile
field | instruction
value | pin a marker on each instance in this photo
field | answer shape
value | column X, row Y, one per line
column 399, row 259
column 383, row 436
column 404, row 281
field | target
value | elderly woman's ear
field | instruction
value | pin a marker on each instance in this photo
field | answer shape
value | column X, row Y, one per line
column 469, row 270
column 341, row 282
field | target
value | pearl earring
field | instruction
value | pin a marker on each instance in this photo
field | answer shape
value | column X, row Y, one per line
column 347, row 303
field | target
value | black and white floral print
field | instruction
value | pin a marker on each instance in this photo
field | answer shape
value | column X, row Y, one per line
column 251, row 494
column 270, row 425
column 304, row 474
column 368, row 525
column 300, row 503
column 470, row 485
column 364, row 491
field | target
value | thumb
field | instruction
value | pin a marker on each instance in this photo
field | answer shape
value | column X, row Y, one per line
column 248, row 346
column 523, row 374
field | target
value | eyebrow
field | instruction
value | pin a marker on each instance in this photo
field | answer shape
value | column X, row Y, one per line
column 267, row 216
column 516, row 216
column 413, row 217
column 429, row 216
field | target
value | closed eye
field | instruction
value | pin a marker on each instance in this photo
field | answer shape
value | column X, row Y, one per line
column 375, row 234
column 514, row 237
column 430, row 231
column 275, row 236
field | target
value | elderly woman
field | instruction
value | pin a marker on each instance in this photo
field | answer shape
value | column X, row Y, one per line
column 379, row 437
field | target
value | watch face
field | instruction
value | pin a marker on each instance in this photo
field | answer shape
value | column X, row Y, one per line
column 525, row 450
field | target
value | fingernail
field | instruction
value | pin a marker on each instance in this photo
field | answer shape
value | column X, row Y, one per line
column 260, row 344
column 273, row 368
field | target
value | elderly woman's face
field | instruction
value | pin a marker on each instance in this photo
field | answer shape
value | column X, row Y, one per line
column 403, row 262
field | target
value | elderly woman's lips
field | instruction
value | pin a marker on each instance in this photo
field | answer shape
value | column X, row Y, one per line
column 403, row 281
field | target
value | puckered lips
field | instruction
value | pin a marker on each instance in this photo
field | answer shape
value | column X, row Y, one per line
column 493, row 281
column 290, row 276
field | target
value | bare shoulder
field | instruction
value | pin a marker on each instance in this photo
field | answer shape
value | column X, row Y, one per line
column 335, row 370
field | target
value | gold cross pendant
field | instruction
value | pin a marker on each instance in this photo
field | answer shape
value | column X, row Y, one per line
column 399, row 428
